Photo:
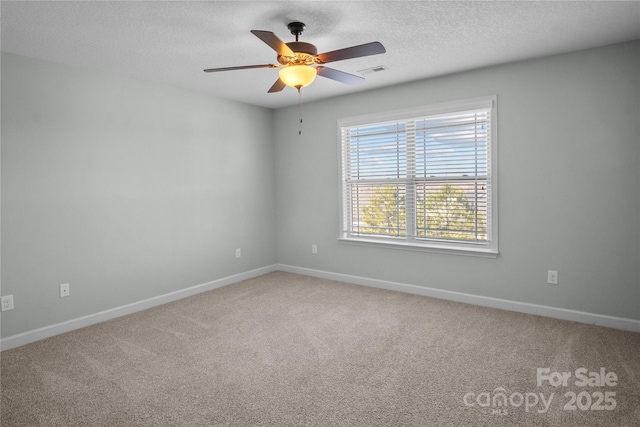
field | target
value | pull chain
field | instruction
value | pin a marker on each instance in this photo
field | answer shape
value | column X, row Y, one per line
column 299, row 112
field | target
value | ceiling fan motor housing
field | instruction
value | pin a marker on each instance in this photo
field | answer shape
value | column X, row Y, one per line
column 306, row 54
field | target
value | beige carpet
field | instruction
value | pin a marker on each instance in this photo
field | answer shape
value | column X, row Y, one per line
column 291, row 350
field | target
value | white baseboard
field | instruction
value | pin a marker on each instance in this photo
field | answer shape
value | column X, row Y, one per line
column 81, row 322
column 540, row 310
column 521, row 307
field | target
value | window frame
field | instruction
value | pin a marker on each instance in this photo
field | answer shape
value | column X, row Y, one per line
column 488, row 249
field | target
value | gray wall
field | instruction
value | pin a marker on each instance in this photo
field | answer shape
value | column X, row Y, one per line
column 124, row 189
column 569, row 147
column 130, row 190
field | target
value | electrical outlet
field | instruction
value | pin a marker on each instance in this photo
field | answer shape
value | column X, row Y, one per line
column 64, row 290
column 238, row 253
column 314, row 249
column 552, row 277
column 7, row 302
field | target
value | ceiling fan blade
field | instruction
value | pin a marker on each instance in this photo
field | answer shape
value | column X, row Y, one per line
column 274, row 42
column 373, row 48
column 242, row 67
column 277, row 86
column 339, row 76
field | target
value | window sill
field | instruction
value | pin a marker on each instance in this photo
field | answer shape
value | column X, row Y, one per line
column 464, row 250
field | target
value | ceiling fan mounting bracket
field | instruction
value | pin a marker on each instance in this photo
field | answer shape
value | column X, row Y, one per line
column 296, row 28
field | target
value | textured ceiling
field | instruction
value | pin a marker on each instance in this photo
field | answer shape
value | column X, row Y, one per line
column 172, row 42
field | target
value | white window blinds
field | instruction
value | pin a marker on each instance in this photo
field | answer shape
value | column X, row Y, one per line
column 422, row 179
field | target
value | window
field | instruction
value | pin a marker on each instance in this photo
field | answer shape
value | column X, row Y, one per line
column 422, row 179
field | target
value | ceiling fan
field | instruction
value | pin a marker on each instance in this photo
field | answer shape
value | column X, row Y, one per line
column 299, row 62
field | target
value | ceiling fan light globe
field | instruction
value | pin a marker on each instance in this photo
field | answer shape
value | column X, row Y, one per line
column 297, row 76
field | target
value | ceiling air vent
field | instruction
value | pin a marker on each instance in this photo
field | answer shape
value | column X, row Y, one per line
column 376, row 69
